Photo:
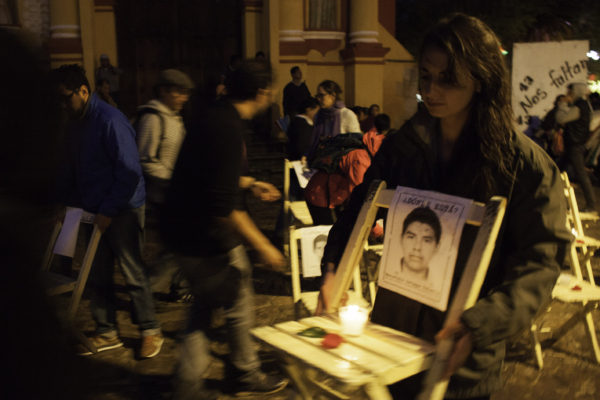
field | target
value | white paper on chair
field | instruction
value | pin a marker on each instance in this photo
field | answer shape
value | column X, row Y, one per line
column 67, row 239
column 312, row 242
column 303, row 173
column 422, row 235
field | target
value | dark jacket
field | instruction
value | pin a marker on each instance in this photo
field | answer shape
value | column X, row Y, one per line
column 300, row 134
column 204, row 188
column 525, row 265
column 102, row 172
column 578, row 131
column 293, row 96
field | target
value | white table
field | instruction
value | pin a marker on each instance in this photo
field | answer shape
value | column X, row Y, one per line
column 378, row 357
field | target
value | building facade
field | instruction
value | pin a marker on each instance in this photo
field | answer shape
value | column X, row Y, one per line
column 349, row 41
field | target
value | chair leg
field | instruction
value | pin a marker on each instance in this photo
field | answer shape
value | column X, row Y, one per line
column 86, row 266
column 537, row 347
column 591, row 332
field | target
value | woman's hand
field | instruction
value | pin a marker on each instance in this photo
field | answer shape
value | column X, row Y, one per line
column 326, row 291
column 463, row 346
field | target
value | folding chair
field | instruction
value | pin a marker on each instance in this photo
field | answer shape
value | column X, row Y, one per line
column 309, row 299
column 574, row 288
column 487, row 217
column 298, row 210
column 57, row 284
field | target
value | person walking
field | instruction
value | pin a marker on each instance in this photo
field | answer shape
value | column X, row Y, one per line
column 102, row 175
column 203, row 221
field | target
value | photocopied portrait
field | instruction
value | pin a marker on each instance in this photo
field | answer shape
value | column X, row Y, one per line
column 312, row 244
column 422, row 235
column 420, row 241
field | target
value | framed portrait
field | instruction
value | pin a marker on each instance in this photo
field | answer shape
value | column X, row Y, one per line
column 422, row 236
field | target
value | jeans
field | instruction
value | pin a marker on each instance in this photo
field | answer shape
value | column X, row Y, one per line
column 576, row 157
column 123, row 242
column 222, row 281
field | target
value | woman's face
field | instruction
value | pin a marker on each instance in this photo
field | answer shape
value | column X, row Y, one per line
column 326, row 99
column 443, row 98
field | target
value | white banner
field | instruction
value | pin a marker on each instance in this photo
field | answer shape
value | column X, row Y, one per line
column 543, row 70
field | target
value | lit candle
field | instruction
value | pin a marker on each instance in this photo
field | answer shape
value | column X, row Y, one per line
column 353, row 319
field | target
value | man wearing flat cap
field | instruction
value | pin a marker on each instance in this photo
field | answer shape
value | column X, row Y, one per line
column 160, row 132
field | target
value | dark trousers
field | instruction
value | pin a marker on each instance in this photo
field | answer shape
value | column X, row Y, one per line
column 576, row 158
column 122, row 242
column 221, row 281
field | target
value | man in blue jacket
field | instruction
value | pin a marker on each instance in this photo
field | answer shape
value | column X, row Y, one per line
column 102, row 175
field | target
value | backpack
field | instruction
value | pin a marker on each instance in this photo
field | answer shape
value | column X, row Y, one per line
column 155, row 187
column 135, row 122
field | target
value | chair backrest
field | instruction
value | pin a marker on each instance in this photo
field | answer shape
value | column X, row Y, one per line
column 575, row 225
column 287, row 165
column 379, row 197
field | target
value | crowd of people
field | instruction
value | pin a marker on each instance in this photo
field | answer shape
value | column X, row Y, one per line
column 191, row 178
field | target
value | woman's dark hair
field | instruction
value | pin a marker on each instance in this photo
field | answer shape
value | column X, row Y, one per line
column 332, row 88
column 308, row 103
column 245, row 82
column 382, row 122
column 472, row 45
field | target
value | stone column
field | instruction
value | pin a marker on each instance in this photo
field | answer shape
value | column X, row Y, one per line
column 363, row 55
column 65, row 33
column 291, row 28
column 363, row 21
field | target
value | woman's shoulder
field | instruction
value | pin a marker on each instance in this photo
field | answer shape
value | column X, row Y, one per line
column 529, row 153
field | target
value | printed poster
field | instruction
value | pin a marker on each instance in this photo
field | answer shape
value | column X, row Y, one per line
column 312, row 243
column 422, row 236
column 543, row 70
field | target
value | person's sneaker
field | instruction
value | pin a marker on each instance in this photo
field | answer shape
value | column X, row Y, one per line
column 151, row 345
column 102, row 343
column 259, row 383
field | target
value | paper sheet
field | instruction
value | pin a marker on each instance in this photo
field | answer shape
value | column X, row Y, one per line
column 303, row 174
column 67, row 239
column 312, row 242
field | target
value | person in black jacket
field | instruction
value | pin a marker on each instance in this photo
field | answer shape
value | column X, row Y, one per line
column 301, row 129
column 294, row 93
column 204, row 223
column 463, row 143
column 576, row 119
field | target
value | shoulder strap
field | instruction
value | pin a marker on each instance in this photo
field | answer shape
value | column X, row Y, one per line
column 149, row 110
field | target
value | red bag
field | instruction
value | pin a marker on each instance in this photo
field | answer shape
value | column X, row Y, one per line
column 558, row 143
column 327, row 190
